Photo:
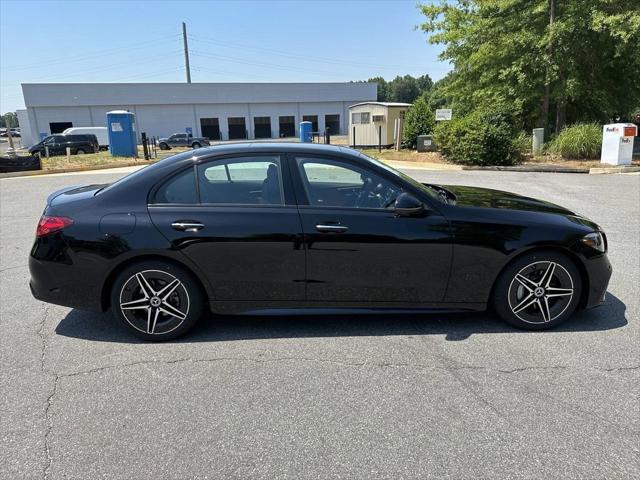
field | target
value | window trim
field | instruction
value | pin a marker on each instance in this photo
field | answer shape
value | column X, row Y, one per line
column 287, row 193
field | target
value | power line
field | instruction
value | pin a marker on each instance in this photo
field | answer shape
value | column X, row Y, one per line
column 111, row 67
column 314, row 58
column 228, row 72
column 93, row 55
column 256, row 64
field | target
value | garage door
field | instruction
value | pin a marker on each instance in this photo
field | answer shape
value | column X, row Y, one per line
column 332, row 122
column 210, row 128
column 314, row 121
column 59, row 127
column 287, row 126
column 262, row 127
column 237, row 128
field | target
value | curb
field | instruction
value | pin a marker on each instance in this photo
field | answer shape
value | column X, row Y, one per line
column 33, row 173
column 559, row 169
column 540, row 169
column 621, row 169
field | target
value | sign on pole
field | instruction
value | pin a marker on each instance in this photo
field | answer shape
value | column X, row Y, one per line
column 443, row 114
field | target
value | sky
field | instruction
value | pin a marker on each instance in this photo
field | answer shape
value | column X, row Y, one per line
column 229, row 41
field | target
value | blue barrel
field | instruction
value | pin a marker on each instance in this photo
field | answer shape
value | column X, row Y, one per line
column 305, row 132
column 121, row 126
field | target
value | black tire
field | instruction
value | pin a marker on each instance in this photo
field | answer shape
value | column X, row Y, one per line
column 149, row 315
column 163, row 146
column 80, row 151
column 538, row 290
column 196, row 145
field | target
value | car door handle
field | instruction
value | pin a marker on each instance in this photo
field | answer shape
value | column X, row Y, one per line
column 331, row 228
column 187, row 226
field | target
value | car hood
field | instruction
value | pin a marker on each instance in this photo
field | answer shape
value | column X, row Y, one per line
column 489, row 198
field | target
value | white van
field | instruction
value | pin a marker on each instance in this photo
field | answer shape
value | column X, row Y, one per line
column 100, row 132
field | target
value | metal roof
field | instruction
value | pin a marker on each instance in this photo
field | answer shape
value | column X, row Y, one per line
column 384, row 104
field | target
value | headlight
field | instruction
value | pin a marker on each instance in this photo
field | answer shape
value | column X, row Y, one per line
column 595, row 240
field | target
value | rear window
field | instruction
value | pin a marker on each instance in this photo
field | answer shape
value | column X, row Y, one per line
column 180, row 189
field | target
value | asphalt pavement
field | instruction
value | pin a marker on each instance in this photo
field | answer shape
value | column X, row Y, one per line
column 312, row 397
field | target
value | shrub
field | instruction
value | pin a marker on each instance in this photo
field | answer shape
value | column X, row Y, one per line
column 581, row 140
column 523, row 143
column 485, row 137
column 419, row 120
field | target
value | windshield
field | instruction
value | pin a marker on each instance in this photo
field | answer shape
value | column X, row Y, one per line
column 423, row 188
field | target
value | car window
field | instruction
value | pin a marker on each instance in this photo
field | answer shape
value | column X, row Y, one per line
column 180, row 189
column 332, row 183
column 242, row 181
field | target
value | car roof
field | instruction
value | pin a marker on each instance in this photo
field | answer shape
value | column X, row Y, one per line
column 251, row 147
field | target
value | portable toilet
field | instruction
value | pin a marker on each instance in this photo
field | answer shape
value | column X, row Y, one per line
column 121, row 126
column 305, row 132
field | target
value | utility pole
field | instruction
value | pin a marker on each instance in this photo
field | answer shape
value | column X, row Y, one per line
column 186, row 51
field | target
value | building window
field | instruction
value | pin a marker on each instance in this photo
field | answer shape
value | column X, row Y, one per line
column 363, row 117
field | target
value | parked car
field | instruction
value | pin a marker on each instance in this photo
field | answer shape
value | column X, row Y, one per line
column 101, row 133
column 15, row 132
column 57, row 144
column 182, row 140
column 239, row 227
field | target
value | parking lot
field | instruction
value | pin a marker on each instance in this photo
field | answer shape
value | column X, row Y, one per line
column 351, row 396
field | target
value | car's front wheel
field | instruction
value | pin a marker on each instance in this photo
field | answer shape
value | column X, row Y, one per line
column 195, row 145
column 79, row 151
column 538, row 290
column 157, row 300
column 164, row 146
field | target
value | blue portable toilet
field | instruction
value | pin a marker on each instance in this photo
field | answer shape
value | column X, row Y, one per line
column 121, row 126
column 305, row 132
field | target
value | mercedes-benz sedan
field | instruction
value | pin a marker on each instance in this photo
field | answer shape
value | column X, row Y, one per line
column 245, row 227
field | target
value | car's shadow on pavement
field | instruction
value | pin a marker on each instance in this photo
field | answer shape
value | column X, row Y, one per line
column 456, row 326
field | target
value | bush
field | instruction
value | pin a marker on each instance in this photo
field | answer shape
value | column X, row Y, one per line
column 581, row 140
column 482, row 138
column 523, row 143
column 419, row 120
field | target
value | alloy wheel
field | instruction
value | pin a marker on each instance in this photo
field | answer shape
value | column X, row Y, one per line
column 154, row 302
column 540, row 292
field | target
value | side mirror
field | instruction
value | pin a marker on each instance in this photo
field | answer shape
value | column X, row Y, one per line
column 409, row 206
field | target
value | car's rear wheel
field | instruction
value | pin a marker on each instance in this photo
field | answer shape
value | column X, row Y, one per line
column 80, row 151
column 538, row 290
column 157, row 300
column 164, row 146
column 196, row 145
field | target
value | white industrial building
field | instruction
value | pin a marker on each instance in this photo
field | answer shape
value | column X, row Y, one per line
column 220, row 111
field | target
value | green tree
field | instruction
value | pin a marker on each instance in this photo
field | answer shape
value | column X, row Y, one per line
column 9, row 120
column 404, row 89
column 383, row 88
column 419, row 120
column 553, row 61
column 424, row 84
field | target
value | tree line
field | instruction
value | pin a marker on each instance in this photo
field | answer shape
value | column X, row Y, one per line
column 551, row 62
column 9, row 120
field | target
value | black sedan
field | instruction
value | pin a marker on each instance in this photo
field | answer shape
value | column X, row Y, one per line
column 246, row 227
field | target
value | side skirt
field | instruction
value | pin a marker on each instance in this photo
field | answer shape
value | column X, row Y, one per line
column 328, row 308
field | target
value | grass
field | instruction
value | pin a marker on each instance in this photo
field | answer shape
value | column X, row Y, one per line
column 404, row 155
column 579, row 141
column 104, row 159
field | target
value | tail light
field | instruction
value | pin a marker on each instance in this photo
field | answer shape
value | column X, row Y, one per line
column 49, row 224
